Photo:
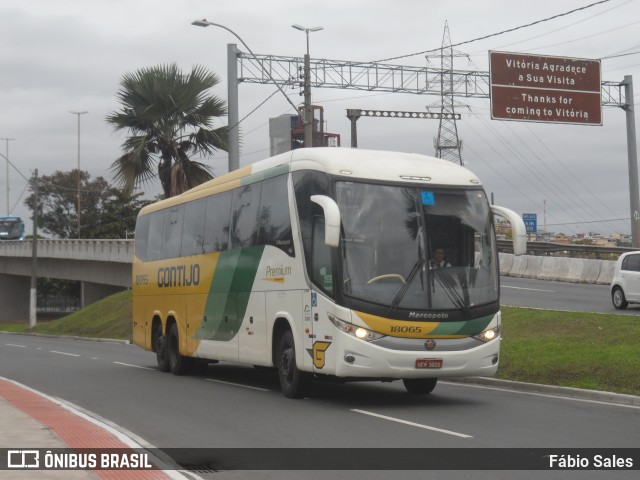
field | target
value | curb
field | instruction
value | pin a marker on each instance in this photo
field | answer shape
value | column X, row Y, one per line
column 570, row 392
column 72, row 337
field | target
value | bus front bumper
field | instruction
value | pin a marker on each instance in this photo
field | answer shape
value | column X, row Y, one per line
column 360, row 359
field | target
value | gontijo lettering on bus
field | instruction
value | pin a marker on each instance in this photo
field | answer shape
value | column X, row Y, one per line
column 179, row 276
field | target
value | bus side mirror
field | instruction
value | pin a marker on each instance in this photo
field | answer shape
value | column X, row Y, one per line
column 331, row 219
column 518, row 230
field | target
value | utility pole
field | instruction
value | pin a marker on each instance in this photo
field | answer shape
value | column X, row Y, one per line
column 353, row 114
column 632, row 154
column 33, row 298
column 308, row 114
column 78, row 177
column 7, row 157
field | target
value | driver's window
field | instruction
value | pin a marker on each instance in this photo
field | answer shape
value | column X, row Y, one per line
column 322, row 273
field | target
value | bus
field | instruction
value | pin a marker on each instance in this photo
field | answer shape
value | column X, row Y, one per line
column 11, row 228
column 317, row 263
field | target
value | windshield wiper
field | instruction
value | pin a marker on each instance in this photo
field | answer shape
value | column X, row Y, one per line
column 446, row 282
column 418, row 266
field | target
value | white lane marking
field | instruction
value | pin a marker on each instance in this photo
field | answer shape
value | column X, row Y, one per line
column 14, row 345
column 412, row 424
column 135, row 366
column 65, row 353
column 548, row 395
column 237, row 385
column 532, row 289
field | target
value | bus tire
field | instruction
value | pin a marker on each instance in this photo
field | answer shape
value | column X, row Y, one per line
column 419, row 386
column 178, row 364
column 160, row 346
column 293, row 382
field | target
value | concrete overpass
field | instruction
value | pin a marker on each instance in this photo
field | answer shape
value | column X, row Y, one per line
column 102, row 266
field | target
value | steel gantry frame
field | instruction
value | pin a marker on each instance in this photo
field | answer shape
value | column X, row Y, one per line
column 381, row 77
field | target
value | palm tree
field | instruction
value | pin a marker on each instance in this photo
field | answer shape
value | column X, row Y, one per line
column 170, row 117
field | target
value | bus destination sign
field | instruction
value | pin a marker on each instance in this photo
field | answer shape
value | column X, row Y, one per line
column 545, row 89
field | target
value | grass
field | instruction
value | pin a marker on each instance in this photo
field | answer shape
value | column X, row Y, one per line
column 572, row 349
column 107, row 318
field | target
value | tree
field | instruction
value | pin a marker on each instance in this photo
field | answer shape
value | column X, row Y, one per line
column 106, row 211
column 170, row 117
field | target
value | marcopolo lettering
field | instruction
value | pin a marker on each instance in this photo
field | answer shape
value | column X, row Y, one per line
column 180, row 276
column 427, row 316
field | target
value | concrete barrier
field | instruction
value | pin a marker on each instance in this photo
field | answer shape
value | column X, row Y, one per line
column 519, row 266
column 506, row 261
column 561, row 269
column 606, row 273
column 534, row 265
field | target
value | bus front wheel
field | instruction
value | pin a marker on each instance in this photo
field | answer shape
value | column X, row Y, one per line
column 420, row 385
column 293, row 382
column 178, row 364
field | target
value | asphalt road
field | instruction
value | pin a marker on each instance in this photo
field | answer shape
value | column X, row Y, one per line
column 238, row 406
column 527, row 292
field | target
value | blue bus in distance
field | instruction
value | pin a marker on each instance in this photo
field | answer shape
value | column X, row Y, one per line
column 11, row 228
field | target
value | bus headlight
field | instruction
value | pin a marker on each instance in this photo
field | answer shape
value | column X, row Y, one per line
column 488, row 334
column 353, row 330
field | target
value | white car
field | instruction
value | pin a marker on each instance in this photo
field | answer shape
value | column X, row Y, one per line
column 625, row 286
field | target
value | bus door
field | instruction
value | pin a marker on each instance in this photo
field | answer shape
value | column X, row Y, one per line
column 252, row 336
column 321, row 303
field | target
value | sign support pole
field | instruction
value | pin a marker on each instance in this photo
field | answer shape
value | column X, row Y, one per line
column 632, row 152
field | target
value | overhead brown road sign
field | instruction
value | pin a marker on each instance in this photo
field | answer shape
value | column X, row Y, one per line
column 545, row 89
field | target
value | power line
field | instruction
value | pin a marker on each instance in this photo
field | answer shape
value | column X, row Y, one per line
column 560, row 28
column 496, row 34
column 544, row 182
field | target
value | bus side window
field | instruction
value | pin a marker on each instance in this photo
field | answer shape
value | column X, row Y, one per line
column 218, row 218
column 193, row 231
column 274, row 218
column 172, row 232
column 321, row 258
column 141, row 238
column 154, row 245
column 244, row 216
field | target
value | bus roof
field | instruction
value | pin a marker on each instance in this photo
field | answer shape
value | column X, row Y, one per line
column 346, row 162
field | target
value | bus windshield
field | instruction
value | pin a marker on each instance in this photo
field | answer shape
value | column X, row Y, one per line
column 11, row 229
column 390, row 239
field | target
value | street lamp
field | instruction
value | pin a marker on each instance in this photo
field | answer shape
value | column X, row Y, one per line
column 78, row 179
column 232, row 100
column 308, row 120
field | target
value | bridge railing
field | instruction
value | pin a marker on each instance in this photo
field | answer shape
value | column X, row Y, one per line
column 120, row 251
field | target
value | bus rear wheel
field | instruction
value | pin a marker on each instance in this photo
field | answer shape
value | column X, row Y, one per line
column 160, row 346
column 420, row 386
column 178, row 364
column 293, row 382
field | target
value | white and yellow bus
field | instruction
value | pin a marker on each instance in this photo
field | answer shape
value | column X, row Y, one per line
column 318, row 262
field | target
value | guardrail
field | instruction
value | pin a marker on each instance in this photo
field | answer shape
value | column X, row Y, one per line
column 570, row 250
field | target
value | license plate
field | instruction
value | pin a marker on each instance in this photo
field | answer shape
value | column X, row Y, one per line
column 429, row 363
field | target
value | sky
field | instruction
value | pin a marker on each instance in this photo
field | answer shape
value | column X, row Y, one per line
column 63, row 56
